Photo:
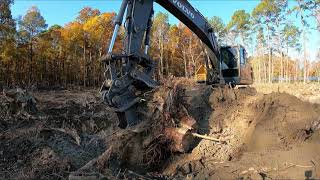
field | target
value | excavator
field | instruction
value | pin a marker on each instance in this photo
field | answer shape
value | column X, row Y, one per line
column 131, row 72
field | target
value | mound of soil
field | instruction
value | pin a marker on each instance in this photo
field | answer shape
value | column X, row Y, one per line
column 274, row 135
column 74, row 134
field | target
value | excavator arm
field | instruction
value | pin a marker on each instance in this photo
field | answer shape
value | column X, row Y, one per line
column 130, row 73
column 194, row 20
column 198, row 24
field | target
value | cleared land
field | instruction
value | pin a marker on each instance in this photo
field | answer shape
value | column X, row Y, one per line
column 72, row 134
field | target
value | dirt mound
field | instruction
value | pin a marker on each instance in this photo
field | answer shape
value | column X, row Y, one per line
column 274, row 135
column 307, row 92
column 283, row 121
column 74, row 134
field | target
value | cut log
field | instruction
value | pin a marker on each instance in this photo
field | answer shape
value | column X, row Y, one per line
column 181, row 139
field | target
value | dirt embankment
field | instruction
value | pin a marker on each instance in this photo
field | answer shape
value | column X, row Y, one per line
column 275, row 135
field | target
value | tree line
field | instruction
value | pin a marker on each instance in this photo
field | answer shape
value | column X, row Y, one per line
column 33, row 54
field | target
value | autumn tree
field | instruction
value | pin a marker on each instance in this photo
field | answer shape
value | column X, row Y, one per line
column 7, row 24
column 49, row 59
column 29, row 26
column 260, row 64
column 177, row 62
column 159, row 40
column 69, row 55
column 86, row 13
column 98, row 31
column 192, row 51
column 7, row 41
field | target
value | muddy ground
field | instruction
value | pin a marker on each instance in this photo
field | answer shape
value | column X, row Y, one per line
column 73, row 134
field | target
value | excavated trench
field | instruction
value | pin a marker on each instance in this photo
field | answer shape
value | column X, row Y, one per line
column 71, row 135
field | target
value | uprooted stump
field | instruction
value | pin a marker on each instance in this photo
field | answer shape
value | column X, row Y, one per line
column 20, row 101
column 16, row 105
column 166, row 128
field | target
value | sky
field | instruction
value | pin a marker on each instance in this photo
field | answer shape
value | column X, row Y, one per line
column 63, row 11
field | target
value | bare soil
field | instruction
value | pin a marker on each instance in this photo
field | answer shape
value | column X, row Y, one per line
column 308, row 92
column 73, row 134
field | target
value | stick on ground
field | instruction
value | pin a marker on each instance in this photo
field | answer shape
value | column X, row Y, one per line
column 208, row 137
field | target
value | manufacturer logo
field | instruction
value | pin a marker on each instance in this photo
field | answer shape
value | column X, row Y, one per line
column 183, row 8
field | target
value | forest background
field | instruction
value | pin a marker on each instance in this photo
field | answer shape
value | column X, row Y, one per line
column 31, row 53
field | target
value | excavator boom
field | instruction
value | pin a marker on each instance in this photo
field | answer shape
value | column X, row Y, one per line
column 194, row 20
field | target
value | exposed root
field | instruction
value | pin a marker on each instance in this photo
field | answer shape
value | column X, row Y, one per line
column 208, row 138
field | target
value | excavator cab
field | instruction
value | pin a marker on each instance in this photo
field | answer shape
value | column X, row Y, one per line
column 235, row 69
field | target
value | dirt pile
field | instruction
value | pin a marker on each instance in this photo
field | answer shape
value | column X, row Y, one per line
column 74, row 135
column 274, row 135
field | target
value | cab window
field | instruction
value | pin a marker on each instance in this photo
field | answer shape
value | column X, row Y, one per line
column 228, row 57
column 242, row 56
